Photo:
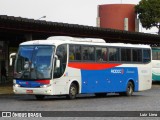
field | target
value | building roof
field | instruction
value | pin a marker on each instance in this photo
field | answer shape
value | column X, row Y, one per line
column 47, row 28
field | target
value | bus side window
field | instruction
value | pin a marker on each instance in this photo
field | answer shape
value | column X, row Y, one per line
column 125, row 54
column 114, row 54
column 77, row 52
column 74, row 52
column 62, row 56
column 71, row 52
column 101, row 54
column 88, row 53
column 85, row 53
column 155, row 55
column 146, row 55
column 104, row 54
column 137, row 55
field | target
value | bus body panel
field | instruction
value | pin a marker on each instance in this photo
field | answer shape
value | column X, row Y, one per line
column 155, row 70
column 155, row 64
column 145, row 82
column 144, row 75
column 59, row 86
column 109, row 80
column 63, row 83
column 92, row 77
column 113, row 79
column 32, row 90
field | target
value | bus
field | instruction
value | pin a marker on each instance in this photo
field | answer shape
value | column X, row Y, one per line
column 155, row 64
column 64, row 65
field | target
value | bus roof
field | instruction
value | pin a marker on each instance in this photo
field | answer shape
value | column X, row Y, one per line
column 74, row 39
column 57, row 40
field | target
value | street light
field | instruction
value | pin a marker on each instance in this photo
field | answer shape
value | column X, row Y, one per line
column 42, row 17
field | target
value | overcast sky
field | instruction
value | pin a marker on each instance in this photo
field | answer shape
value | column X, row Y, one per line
column 82, row 12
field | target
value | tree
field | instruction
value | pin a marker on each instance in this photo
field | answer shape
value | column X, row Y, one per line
column 149, row 13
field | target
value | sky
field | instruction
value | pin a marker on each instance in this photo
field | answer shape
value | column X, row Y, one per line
column 82, row 12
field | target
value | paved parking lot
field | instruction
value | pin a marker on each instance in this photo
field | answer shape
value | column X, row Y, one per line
column 140, row 101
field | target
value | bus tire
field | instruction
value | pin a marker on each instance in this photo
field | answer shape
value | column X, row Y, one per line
column 72, row 92
column 129, row 90
column 39, row 97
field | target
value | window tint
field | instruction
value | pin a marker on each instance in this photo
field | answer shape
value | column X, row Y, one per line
column 62, row 56
column 74, row 52
column 114, row 54
column 71, row 52
column 77, row 52
column 125, row 54
column 101, row 54
column 137, row 55
column 88, row 53
column 146, row 55
column 156, row 55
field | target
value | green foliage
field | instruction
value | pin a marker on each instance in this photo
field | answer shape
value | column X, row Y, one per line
column 149, row 13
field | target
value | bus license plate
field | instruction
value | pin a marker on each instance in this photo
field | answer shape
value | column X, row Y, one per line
column 29, row 91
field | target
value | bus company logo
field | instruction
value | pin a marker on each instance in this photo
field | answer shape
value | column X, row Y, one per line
column 23, row 83
column 117, row 71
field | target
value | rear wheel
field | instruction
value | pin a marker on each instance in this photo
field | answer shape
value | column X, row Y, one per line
column 72, row 91
column 39, row 97
column 129, row 90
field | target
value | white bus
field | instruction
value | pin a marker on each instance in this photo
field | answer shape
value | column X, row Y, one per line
column 155, row 64
column 69, row 66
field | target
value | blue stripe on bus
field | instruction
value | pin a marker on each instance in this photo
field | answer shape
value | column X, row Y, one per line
column 30, row 84
column 108, row 80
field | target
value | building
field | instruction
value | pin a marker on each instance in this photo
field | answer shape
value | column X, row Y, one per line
column 117, row 16
column 14, row 30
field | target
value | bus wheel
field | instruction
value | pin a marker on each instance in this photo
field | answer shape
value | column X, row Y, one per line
column 129, row 90
column 39, row 97
column 72, row 91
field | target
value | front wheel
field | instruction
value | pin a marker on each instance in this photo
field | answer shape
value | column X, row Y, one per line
column 72, row 91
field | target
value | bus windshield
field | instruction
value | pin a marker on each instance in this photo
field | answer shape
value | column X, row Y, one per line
column 34, row 62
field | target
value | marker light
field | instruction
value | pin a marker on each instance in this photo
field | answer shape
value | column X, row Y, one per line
column 45, row 86
column 16, row 85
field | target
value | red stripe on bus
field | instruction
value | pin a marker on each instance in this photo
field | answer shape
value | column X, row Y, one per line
column 91, row 66
column 43, row 81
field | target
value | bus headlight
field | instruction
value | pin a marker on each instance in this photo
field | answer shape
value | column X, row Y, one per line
column 16, row 85
column 45, row 86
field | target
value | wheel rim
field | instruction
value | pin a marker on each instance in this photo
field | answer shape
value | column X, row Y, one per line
column 130, row 89
column 73, row 91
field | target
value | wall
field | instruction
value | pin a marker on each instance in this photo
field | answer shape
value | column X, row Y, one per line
column 113, row 15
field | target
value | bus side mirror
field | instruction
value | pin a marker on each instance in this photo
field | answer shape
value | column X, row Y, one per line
column 57, row 63
column 11, row 58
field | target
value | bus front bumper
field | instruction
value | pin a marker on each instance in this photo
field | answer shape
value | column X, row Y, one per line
column 33, row 91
